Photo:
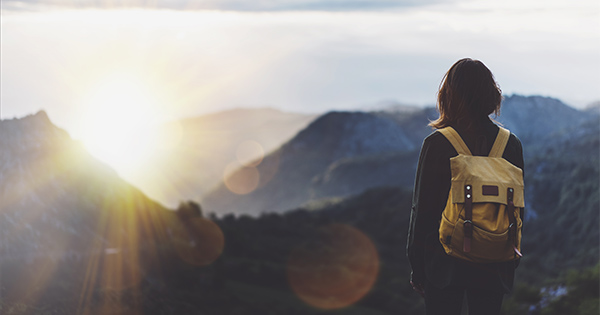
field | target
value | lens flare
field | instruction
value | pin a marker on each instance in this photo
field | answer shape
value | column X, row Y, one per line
column 335, row 269
column 250, row 153
column 240, row 179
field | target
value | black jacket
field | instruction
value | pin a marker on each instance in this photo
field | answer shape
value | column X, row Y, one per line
column 429, row 262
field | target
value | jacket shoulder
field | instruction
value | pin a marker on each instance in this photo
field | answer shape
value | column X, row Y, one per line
column 514, row 140
column 434, row 137
column 436, row 141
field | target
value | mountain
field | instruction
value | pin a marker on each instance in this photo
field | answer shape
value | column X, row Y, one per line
column 593, row 108
column 206, row 146
column 50, row 182
column 70, row 227
column 351, row 176
column 562, row 194
column 287, row 178
column 345, row 153
column 535, row 117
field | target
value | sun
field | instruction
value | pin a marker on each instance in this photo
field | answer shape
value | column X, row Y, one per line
column 118, row 123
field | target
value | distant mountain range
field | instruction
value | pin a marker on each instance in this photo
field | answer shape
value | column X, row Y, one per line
column 534, row 118
column 342, row 153
column 208, row 144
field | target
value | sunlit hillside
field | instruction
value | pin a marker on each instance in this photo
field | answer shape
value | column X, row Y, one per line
column 73, row 231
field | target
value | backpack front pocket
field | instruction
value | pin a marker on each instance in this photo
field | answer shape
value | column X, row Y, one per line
column 490, row 246
column 447, row 235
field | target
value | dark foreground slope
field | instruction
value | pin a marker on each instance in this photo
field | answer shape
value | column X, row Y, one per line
column 349, row 255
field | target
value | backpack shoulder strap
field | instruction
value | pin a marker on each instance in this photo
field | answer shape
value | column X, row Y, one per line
column 456, row 141
column 500, row 143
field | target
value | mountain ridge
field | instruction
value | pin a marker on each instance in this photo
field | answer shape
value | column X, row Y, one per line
column 315, row 156
column 295, row 164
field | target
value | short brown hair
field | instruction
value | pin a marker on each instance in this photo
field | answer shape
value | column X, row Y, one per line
column 468, row 92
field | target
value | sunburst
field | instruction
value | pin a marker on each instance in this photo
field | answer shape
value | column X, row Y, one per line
column 118, row 124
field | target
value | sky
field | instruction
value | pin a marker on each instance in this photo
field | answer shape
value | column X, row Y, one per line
column 89, row 60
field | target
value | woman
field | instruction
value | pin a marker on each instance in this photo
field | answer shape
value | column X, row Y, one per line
column 468, row 95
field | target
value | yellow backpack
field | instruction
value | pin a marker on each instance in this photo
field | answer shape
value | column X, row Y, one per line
column 482, row 222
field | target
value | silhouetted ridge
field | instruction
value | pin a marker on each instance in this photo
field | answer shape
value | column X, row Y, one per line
column 344, row 134
column 31, row 131
column 532, row 118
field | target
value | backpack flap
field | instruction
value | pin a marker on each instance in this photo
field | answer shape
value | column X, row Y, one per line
column 489, row 177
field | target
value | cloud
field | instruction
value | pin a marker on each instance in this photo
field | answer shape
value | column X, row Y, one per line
column 225, row 5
